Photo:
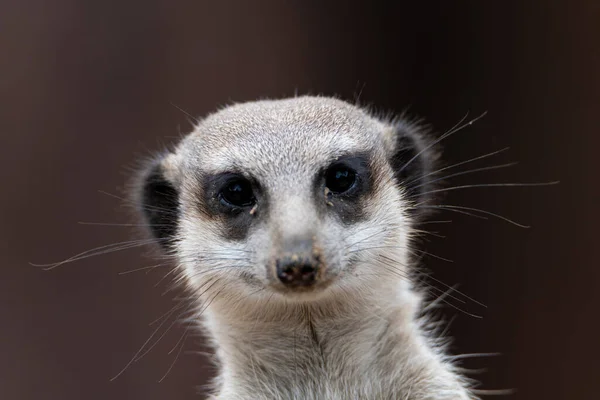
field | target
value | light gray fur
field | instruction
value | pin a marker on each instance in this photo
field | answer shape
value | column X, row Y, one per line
column 358, row 338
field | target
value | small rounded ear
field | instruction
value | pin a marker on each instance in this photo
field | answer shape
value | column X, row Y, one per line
column 156, row 199
column 413, row 158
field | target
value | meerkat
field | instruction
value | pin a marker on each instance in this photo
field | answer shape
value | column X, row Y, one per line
column 292, row 222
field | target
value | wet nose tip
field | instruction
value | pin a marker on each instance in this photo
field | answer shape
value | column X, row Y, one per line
column 295, row 273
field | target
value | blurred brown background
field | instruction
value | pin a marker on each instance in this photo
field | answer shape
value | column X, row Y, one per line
column 85, row 88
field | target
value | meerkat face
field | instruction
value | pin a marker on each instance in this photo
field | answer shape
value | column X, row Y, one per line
column 294, row 197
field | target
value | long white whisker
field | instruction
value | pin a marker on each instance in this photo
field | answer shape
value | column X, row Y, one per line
column 444, row 136
column 457, row 165
column 460, row 210
column 480, row 185
column 110, row 248
column 119, row 224
column 149, row 268
column 182, row 340
column 471, row 171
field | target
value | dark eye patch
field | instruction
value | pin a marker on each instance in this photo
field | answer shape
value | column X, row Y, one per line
column 234, row 200
column 346, row 184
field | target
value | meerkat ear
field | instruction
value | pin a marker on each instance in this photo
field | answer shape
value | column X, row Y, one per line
column 413, row 158
column 156, row 198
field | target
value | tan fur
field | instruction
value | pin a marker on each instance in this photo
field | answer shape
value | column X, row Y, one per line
column 357, row 338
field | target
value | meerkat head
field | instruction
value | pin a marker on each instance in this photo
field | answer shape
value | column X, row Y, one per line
column 293, row 197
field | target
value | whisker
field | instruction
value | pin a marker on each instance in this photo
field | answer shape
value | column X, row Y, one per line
column 456, row 211
column 222, row 259
column 431, row 287
column 135, row 357
column 457, row 291
column 196, row 274
column 117, row 224
column 164, row 318
column 432, row 255
column 471, row 171
column 144, row 206
column 176, row 356
column 473, row 355
column 444, row 332
column 444, row 136
column 365, row 239
column 176, row 281
column 439, row 299
column 435, row 222
column 175, row 268
column 444, row 284
column 463, row 311
column 480, row 185
column 396, row 247
column 217, row 251
column 405, row 276
column 458, row 164
column 494, row 392
column 177, row 306
column 418, row 232
column 110, row 248
column 140, row 356
column 195, row 119
column 149, row 268
column 210, row 302
column 470, row 371
column 459, row 209
column 370, row 248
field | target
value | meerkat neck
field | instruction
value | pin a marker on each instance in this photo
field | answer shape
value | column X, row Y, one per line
column 296, row 344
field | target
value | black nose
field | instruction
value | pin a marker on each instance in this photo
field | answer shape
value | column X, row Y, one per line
column 294, row 271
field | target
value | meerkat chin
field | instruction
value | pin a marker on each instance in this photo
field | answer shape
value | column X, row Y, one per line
column 292, row 222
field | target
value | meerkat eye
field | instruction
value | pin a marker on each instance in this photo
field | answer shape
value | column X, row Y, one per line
column 340, row 178
column 238, row 193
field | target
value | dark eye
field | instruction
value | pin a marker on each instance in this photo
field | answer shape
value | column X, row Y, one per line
column 238, row 193
column 340, row 179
